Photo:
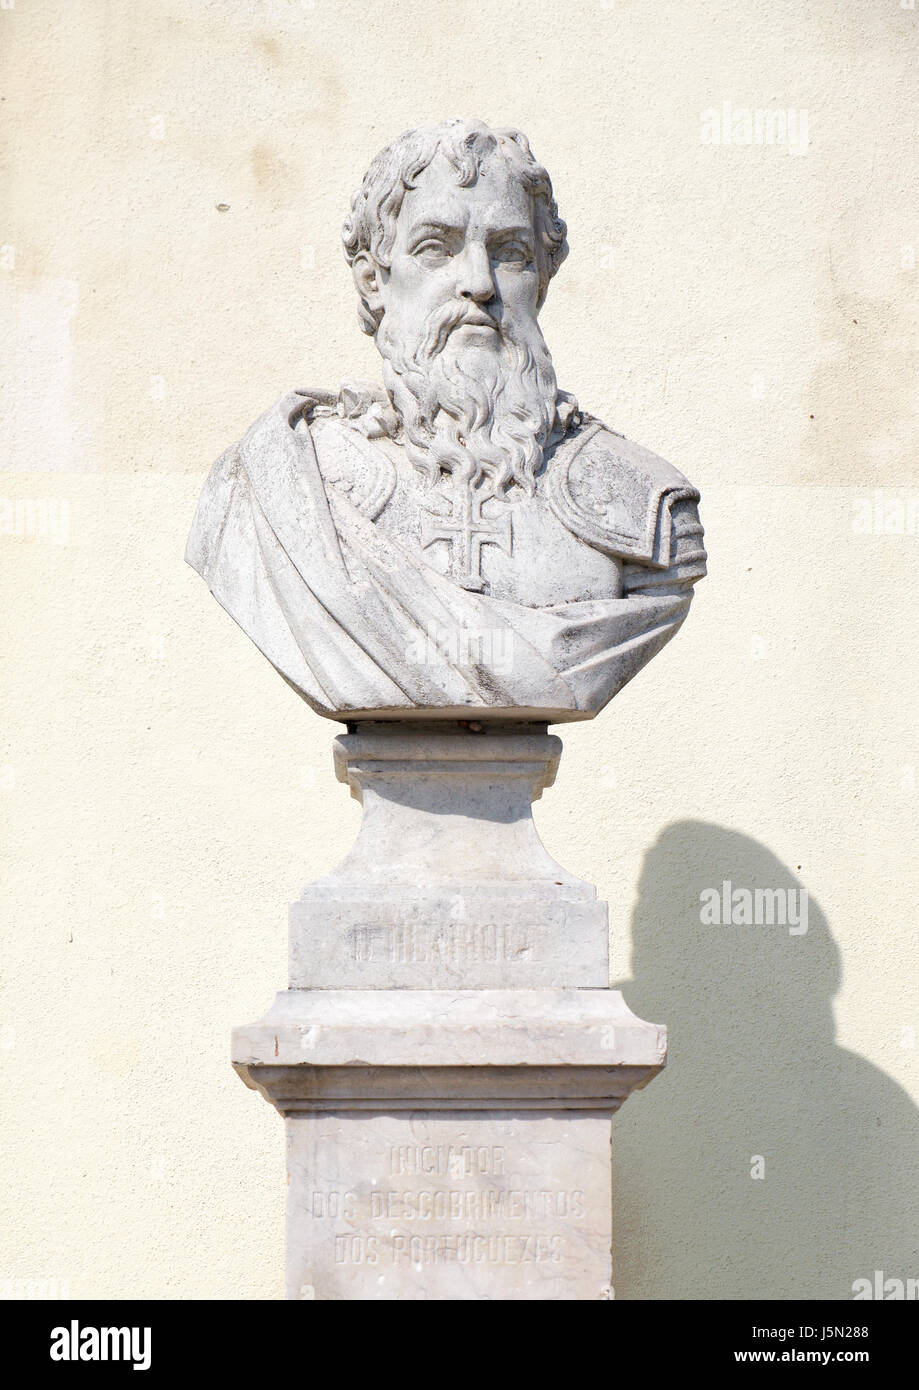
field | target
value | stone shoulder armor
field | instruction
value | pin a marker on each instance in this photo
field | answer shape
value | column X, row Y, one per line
column 626, row 501
column 348, row 462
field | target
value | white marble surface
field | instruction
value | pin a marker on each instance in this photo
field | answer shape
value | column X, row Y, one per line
column 464, row 539
column 460, row 1206
column 448, row 884
column 450, row 1028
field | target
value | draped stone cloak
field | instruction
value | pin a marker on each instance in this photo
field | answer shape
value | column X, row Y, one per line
column 362, row 627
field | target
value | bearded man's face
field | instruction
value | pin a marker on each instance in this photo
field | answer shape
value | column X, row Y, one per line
column 464, row 359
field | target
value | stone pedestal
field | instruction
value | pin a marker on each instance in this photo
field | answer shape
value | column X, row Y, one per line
column 448, row 1056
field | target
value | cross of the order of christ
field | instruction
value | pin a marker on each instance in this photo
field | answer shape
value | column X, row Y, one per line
column 467, row 532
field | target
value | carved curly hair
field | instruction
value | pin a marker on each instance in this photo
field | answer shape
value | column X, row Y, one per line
column 370, row 227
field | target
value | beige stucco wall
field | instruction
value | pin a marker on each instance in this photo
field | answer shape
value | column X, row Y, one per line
column 748, row 311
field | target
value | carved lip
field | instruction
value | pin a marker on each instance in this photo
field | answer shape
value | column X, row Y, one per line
column 477, row 318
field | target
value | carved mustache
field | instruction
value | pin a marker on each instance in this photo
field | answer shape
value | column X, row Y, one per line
column 442, row 322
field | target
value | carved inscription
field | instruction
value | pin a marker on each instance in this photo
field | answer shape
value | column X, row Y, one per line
column 456, row 1161
column 449, row 940
column 457, row 943
column 466, row 1248
column 453, row 1199
column 450, row 1204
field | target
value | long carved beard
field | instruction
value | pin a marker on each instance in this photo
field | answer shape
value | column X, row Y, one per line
column 470, row 411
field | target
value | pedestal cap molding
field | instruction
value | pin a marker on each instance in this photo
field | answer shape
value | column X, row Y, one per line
column 468, row 1049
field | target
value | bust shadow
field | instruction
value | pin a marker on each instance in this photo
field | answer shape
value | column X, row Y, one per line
column 753, row 1069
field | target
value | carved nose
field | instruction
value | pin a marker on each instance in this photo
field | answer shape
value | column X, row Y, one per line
column 476, row 280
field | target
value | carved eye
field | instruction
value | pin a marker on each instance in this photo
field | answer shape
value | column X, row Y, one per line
column 432, row 249
column 513, row 253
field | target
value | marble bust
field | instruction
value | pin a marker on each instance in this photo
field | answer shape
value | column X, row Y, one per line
column 463, row 540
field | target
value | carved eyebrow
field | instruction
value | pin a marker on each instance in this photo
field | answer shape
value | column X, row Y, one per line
column 524, row 233
column 428, row 226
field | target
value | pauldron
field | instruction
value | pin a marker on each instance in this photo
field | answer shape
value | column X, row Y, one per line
column 624, row 500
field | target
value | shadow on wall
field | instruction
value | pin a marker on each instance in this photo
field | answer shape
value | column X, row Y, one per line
column 755, row 1083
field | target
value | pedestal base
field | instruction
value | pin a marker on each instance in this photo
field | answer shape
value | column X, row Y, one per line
column 448, row 1145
